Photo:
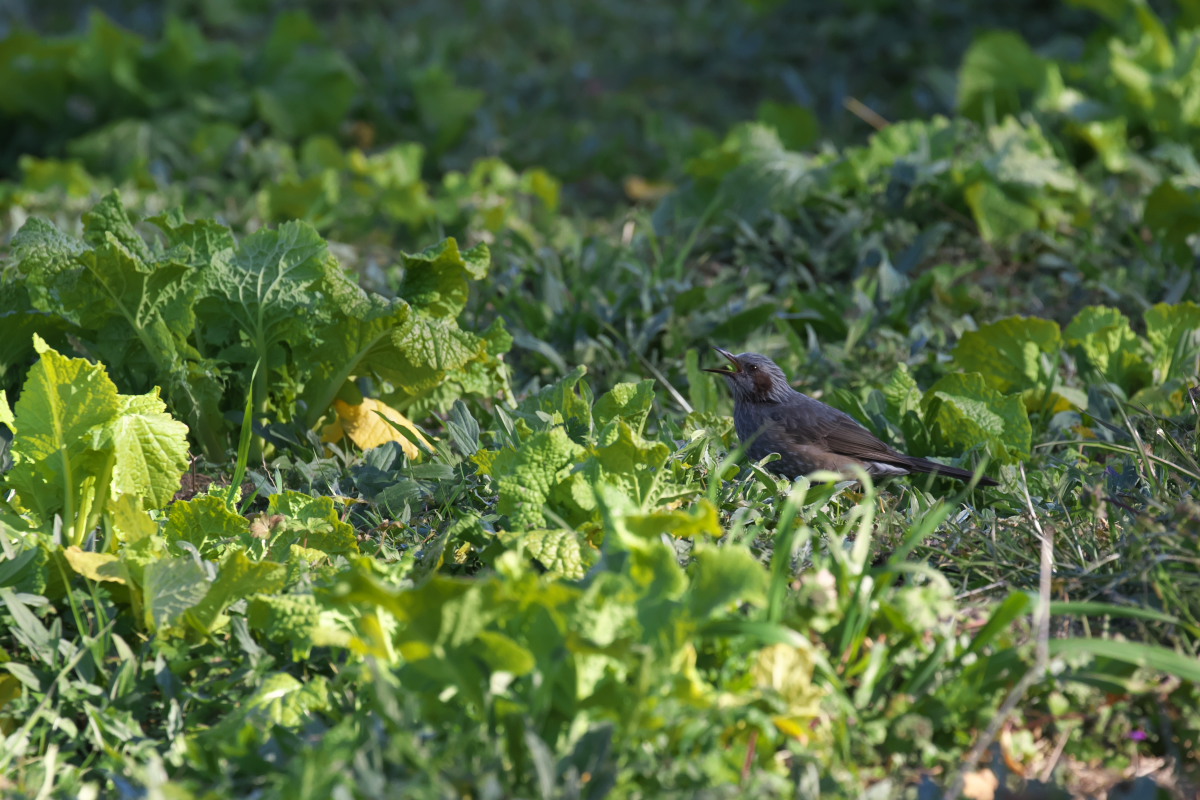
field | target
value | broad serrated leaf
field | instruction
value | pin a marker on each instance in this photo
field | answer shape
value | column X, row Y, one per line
column 963, row 412
column 1009, row 353
column 527, row 475
column 310, row 522
column 203, row 522
column 563, row 553
column 151, row 450
column 170, row 587
column 628, row 401
column 66, row 405
column 1103, row 341
column 437, row 280
column 238, row 577
column 1174, row 334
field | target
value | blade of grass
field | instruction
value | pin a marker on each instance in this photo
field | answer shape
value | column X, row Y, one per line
column 243, row 454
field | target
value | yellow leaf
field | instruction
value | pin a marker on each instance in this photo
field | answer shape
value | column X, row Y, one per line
column 97, row 566
column 131, row 522
column 366, row 426
column 980, row 785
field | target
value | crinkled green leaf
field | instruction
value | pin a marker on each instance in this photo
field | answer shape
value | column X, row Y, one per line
column 310, row 522
column 170, row 587
column 563, row 553
column 902, row 393
column 360, row 341
column 526, row 475
column 239, row 577
column 1102, row 340
column 560, row 402
column 630, row 462
column 296, row 618
column 284, row 700
column 723, row 575
column 204, row 522
column 963, row 412
column 151, row 450
column 437, row 280
column 428, row 348
column 1009, row 353
column 628, row 401
column 1023, row 156
column 1174, row 334
column 109, row 222
column 66, row 404
column 267, row 287
column 486, row 376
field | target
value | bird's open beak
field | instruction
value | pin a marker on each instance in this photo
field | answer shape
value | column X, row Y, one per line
column 734, row 365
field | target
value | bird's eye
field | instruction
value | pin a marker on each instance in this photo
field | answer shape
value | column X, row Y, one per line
column 753, row 367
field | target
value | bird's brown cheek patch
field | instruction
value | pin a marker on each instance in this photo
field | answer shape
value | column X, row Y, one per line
column 762, row 383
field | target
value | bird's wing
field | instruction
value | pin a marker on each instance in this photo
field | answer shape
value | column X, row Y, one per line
column 839, row 433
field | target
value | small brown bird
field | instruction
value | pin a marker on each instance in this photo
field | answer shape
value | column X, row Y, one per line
column 772, row 417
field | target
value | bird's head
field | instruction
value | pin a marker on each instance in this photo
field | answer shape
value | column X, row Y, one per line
column 753, row 378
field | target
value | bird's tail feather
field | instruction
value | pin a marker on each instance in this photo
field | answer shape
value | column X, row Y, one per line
column 925, row 465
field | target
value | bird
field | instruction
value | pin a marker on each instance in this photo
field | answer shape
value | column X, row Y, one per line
column 772, row 417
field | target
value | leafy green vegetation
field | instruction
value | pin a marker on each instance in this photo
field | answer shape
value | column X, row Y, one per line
column 354, row 439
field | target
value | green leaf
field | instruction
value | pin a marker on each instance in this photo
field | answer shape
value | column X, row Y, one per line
column 1009, row 353
column 442, row 105
column 1173, row 214
column 204, row 522
column 6, row 412
column 628, row 401
column 1174, row 334
column 963, row 412
column 294, row 618
column 428, row 348
column 309, row 522
column 281, row 699
column 151, row 450
column 999, row 215
column 307, row 87
column 238, row 578
column 630, row 462
column 436, row 281
column 1102, row 341
column 361, row 340
column 268, row 285
column 560, row 398
column 1138, row 654
column 503, row 654
column 902, row 393
column 66, row 405
column 796, row 125
column 698, row 520
column 723, row 575
column 170, row 588
column 998, row 72
column 528, row 474
column 563, row 553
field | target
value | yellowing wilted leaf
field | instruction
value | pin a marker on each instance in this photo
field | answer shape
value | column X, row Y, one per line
column 365, row 427
column 96, row 566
